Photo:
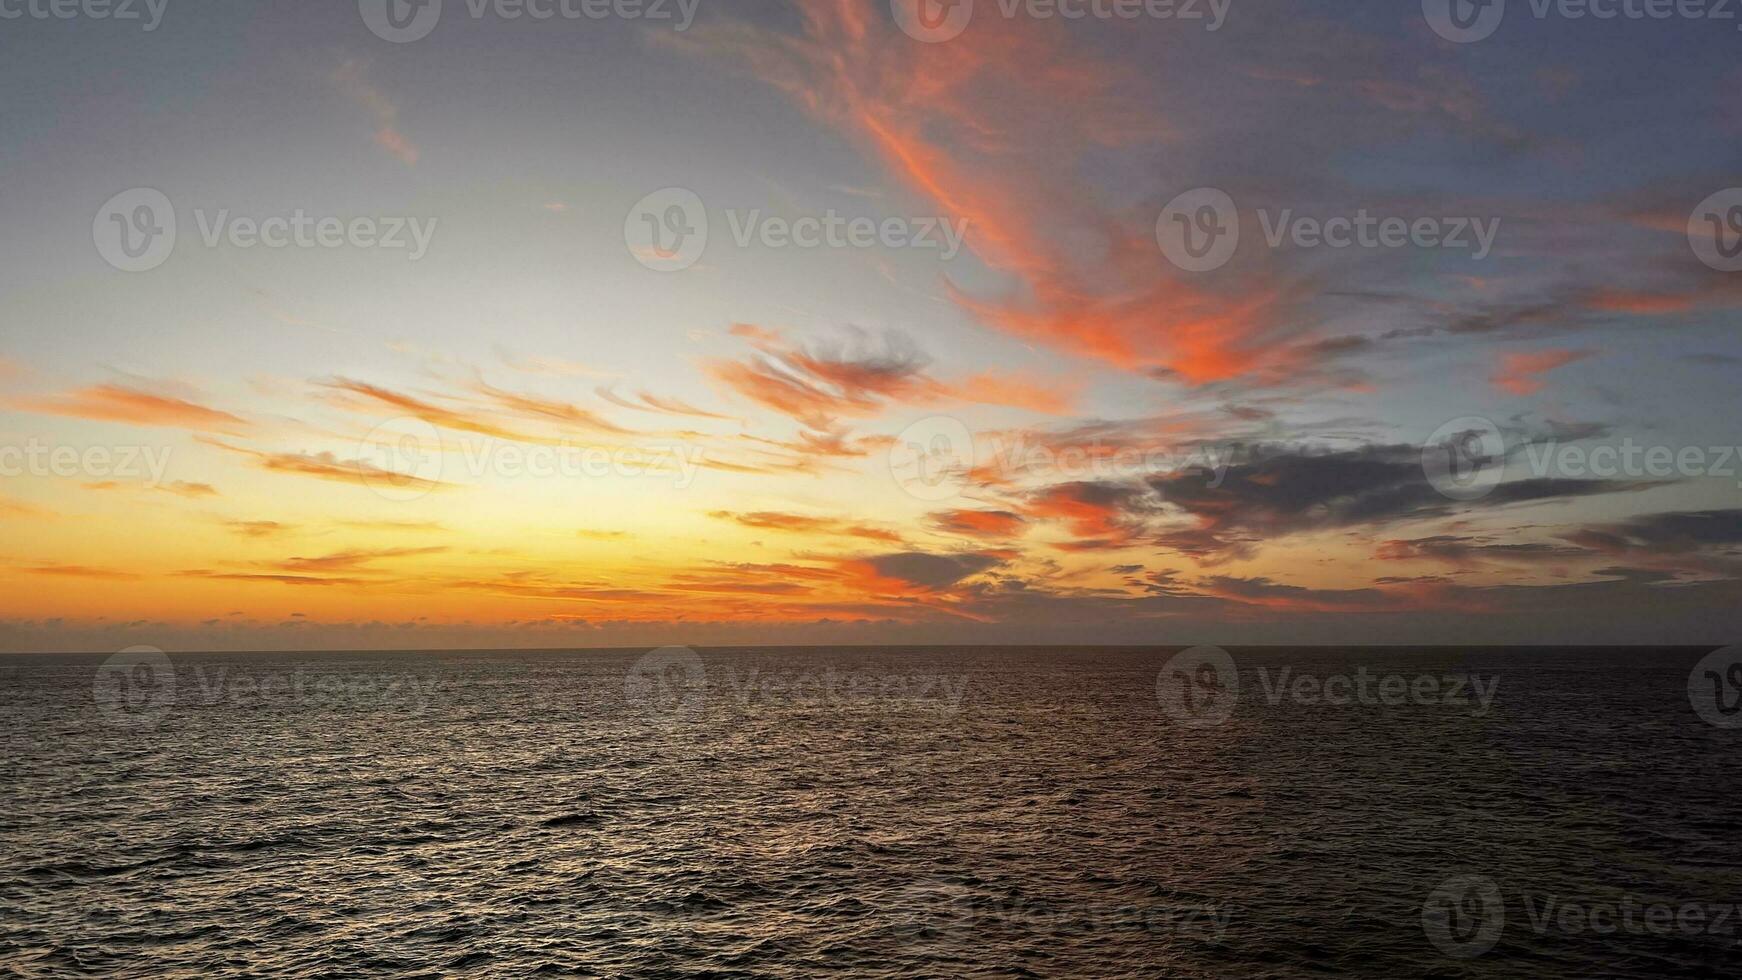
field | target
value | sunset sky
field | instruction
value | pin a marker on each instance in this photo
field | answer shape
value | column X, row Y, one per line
column 351, row 437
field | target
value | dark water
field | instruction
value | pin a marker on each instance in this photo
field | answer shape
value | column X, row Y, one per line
column 900, row 813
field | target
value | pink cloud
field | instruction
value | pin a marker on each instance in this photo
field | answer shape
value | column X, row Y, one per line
column 1519, row 372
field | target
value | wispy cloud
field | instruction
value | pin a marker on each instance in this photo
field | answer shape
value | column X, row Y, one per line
column 1520, row 373
column 327, row 466
column 351, row 77
column 132, row 406
column 804, row 524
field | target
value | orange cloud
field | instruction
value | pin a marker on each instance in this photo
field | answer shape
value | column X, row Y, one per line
column 351, row 79
column 1628, row 301
column 347, row 560
column 419, row 408
column 18, row 508
column 978, row 523
column 117, row 403
column 326, row 466
column 80, row 571
column 551, row 410
column 1017, row 392
column 818, row 385
column 1101, row 515
column 180, row 488
column 991, row 132
column 1518, row 372
column 258, row 529
column 799, row 523
column 645, row 402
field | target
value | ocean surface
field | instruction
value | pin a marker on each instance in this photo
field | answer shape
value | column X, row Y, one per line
column 790, row 812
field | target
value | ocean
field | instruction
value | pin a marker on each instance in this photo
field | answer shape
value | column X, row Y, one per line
column 871, row 812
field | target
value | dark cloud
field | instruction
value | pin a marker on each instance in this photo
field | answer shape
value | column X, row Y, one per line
column 1673, row 533
column 931, row 571
column 1464, row 550
column 1290, row 491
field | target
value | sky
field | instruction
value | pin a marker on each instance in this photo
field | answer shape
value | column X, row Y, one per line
column 524, row 324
